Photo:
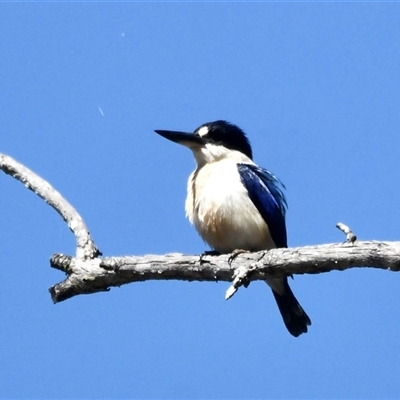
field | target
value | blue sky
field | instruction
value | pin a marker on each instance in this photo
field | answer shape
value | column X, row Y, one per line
column 83, row 86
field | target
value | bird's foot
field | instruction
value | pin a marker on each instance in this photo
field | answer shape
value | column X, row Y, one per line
column 235, row 253
column 208, row 253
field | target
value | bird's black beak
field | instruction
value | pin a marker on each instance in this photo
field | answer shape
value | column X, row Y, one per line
column 186, row 139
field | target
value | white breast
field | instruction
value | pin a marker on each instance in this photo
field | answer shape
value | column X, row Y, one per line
column 219, row 207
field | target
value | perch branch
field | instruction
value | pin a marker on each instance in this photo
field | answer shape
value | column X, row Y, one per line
column 241, row 275
column 100, row 274
column 88, row 273
column 86, row 248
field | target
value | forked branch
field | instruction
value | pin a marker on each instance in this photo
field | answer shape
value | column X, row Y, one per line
column 89, row 273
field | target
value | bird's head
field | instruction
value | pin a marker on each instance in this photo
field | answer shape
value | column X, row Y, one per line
column 213, row 141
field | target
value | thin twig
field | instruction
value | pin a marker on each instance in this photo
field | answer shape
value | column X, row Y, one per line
column 241, row 278
column 350, row 236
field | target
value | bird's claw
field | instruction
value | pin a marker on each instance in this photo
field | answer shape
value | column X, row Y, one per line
column 234, row 254
column 208, row 253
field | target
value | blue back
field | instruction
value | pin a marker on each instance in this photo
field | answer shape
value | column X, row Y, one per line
column 265, row 191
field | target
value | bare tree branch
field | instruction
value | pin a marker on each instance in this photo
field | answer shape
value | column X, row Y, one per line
column 84, row 243
column 100, row 274
column 88, row 273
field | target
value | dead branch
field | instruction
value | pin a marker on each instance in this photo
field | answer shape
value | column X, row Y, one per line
column 85, row 247
column 100, row 274
column 89, row 273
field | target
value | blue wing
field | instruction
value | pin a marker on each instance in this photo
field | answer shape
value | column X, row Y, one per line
column 265, row 191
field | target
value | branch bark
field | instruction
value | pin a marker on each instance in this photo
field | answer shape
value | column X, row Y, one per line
column 88, row 273
column 100, row 274
column 85, row 247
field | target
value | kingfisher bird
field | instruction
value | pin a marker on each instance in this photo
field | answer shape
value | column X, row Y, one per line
column 236, row 205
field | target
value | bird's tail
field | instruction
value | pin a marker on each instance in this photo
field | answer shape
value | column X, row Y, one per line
column 294, row 317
